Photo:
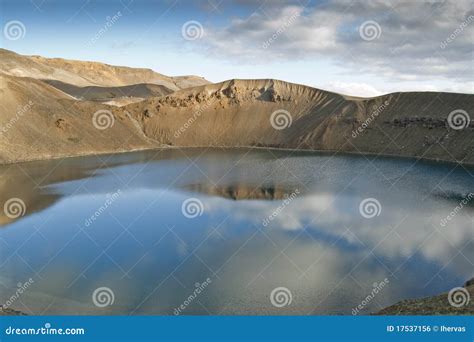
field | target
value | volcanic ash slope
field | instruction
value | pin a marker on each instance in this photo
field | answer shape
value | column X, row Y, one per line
column 40, row 122
column 272, row 113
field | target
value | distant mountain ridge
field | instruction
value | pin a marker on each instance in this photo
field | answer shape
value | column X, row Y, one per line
column 81, row 73
column 93, row 80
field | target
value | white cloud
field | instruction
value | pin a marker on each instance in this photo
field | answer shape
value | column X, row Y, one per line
column 427, row 42
column 325, row 213
column 353, row 88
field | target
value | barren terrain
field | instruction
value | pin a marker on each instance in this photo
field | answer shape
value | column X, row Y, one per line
column 50, row 109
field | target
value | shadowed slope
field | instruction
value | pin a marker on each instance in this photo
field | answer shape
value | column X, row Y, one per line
column 112, row 95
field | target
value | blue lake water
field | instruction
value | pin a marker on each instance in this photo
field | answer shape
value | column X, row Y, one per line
column 239, row 231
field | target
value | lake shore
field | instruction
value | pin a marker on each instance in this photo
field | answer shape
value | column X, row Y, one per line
column 10, row 312
column 435, row 305
column 158, row 148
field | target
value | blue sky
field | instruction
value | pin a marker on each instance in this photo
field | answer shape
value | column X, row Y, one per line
column 319, row 43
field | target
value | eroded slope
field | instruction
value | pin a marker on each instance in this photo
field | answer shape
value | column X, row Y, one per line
column 273, row 113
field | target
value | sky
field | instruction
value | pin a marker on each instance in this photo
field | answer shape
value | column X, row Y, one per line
column 362, row 48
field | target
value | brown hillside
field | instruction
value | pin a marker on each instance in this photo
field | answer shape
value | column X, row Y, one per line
column 37, row 121
column 81, row 74
column 239, row 112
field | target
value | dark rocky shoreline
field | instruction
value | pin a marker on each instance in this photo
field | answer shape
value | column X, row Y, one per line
column 10, row 312
column 435, row 305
